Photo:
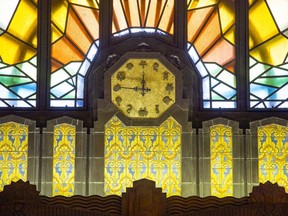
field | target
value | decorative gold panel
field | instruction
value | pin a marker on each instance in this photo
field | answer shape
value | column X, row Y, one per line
column 64, row 160
column 13, row 153
column 133, row 153
column 273, row 154
column 221, row 156
column 143, row 88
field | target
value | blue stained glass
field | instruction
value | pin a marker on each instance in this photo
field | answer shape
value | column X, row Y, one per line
column 225, row 90
column 201, row 68
column 193, row 54
column 223, row 104
column 29, row 69
column 207, row 104
column 214, row 82
column 17, row 103
column 281, row 94
column 62, row 103
column 61, row 89
column 10, row 71
column 79, row 103
column 206, row 88
column 272, row 104
column 5, row 93
column 72, row 68
column 80, row 86
column 58, row 77
column 276, row 72
column 228, row 78
column 92, row 52
column 84, row 67
column 26, row 89
column 213, row 69
column 261, row 91
column 257, row 70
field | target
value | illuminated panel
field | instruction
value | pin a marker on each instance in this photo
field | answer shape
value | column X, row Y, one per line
column 273, row 154
column 221, row 156
column 13, row 153
column 268, row 49
column 64, row 160
column 130, row 16
column 75, row 33
column 133, row 153
column 18, row 53
column 211, row 46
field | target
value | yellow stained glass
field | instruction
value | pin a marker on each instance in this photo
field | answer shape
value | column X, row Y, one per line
column 221, row 157
column 273, row 154
column 200, row 3
column 133, row 153
column 64, row 160
column 59, row 11
column 13, row 153
column 227, row 16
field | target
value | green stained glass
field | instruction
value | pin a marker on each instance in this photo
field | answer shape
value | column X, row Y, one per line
column 18, row 49
column 75, row 34
column 268, row 53
column 211, row 46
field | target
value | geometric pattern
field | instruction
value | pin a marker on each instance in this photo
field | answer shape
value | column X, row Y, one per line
column 13, row 153
column 64, row 160
column 268, row 49
column 273, row 154
column 74, row 37
column 221, row 160
column 18, row 53
column 211, row 47
column 133, row 153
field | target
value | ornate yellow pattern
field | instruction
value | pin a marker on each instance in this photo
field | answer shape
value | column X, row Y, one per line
column 273, row 154
column 64, row 160
column 221, row 153
column 133, row 153
column 13, row 153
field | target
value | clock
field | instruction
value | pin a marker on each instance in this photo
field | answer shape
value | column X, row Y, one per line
column 143, row 88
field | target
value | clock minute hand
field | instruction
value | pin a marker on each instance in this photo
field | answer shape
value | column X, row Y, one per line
column 143, row 83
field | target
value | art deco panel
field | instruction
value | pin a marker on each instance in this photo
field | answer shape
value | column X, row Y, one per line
column 64, row 160
column 133, row 153
column 268, row 49
column 273, row 154
column 18, row 53
column 211, row 47
column 75, row 33
column 221, row 160
column 13, row 153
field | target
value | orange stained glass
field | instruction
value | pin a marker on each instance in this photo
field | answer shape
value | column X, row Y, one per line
column 55, row 65
column 92, row 25
column 209, row 35
column 89, row 3
column 261, row 24
column 167, row 22
column 196, row 20
column 119, row 21
column 222, row 52
column 71, row 52
column 76, row 32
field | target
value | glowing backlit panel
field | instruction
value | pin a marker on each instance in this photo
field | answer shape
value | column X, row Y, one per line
column 133, row 153
column 130, row 16
column 273, row 154
column 64, row 160
column 75, row 33
column 268, row 49
column 18, row 53
column 13, row 153
column 221, row 156
column 211, row 46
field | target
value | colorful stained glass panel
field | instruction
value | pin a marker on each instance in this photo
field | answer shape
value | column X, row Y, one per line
column 211, row 46
column 133, row 153
column 64, row 160
column 268, row 46
column 221, row 160
column 18, row 53
column 136, row 16
column 273, row 154
column 75, row 33
column 13, row 153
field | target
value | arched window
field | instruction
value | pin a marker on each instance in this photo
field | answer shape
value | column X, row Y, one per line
column 74, row 37
column 18, row 53
column 133, row 153
column 268, row 49
column 273, row 154
column 64, row 160
column 13, row 152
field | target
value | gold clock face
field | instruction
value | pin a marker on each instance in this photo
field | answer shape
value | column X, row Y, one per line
column 143, row 88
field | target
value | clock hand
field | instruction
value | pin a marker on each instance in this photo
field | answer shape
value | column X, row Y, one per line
column 143, row 83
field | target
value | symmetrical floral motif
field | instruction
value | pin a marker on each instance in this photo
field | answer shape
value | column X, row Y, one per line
column 221, row 152
column 273, row 154
column 133, row 153
column 64, row 160
column 13, row 153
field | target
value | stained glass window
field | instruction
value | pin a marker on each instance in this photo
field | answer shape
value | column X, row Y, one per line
column 133, row 153
column 221, row 156
column 64, row 160
column 211, row 47
column 130, row 16
column 273, row 154
column 13, row 153
column 18, row 53
column 268, row 49
column 75, row 33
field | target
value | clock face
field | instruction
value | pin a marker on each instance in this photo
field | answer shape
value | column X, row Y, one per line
column 143, row 88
